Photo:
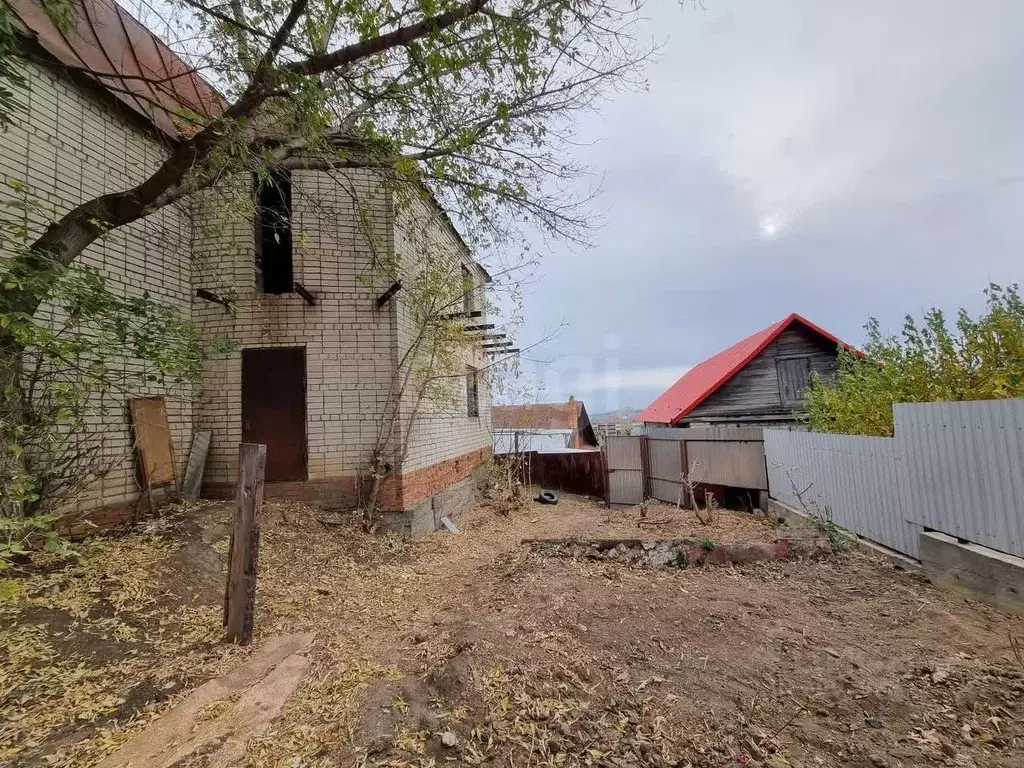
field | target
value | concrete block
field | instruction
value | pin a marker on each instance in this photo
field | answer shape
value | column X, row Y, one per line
column 974, row 571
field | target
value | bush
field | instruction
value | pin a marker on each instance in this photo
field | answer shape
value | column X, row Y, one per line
column 978, row 359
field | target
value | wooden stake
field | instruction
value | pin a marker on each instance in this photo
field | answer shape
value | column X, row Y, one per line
column 240, row 596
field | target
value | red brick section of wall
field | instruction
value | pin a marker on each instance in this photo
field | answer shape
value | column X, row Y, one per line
column 404, row 491
column 398, row 493
column 80, row 525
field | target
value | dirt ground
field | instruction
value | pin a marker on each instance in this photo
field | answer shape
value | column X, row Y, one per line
column 470, row 650
column 580, row 517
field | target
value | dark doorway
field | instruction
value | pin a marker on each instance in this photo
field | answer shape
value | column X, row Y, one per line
column 274, row 408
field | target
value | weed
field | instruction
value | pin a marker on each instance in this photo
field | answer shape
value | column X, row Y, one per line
column 707, row 544
column 837, row 537
column 679, row 561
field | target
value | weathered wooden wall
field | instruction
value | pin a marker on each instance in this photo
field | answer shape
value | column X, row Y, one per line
column 581, row 472
column 754, row 392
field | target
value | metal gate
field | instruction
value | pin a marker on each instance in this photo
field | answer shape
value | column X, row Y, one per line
column 667, row 459
column 625, row 470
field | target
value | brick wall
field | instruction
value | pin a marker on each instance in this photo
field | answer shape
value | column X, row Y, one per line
column 441, row 428
column 347, row 338
column 71, row 146
column 75, row 144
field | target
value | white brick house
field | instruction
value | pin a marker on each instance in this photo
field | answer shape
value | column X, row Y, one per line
column 311, row 379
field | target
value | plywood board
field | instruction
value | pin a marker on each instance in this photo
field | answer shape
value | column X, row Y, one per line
column 153, row 441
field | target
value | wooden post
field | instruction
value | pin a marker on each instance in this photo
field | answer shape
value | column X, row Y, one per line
column 645, row 468
column 684, row 461
column 240, row 597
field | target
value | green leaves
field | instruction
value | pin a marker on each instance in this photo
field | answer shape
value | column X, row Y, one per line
column 87, row 343
column 977, row 359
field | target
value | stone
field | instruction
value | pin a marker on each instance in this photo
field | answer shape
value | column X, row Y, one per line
column 449, row 739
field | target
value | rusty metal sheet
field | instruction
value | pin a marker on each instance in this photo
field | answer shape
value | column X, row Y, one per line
column 122, row 55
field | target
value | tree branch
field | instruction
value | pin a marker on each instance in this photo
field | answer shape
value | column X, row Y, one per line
column 315, row 65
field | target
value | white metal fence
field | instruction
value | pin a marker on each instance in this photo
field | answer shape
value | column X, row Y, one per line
column 951, row 467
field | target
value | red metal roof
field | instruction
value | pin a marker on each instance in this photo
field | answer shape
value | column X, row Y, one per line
column 704, row 378
column 135, row 65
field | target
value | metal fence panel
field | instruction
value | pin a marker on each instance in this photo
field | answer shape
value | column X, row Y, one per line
column 739, row 464
column 720, row 434
column 855, row 479
column 665, row 460
column 625, row 470
column 964, row 469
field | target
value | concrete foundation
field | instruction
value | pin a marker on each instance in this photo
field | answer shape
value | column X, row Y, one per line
column 426, row 516
column 974, row 571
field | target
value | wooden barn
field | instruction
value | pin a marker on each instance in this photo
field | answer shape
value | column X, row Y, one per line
column 758, row 381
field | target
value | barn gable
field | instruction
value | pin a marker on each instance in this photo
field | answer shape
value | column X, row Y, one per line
column 759, row 389
column 758, row 379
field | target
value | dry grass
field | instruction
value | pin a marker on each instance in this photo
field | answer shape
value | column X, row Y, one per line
column 522, row 660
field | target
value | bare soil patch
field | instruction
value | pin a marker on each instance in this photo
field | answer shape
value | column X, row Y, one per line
column 579, row 517
column 470, row 650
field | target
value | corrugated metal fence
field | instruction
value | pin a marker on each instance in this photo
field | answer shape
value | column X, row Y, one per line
column 951, row 467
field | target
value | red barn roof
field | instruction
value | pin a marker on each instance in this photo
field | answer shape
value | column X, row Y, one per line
column 698, row 383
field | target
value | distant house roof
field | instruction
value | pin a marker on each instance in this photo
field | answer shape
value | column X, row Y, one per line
column 115, row 50
column 698, row 383
column 571, row 414
column 535, row 439
column 535, row 416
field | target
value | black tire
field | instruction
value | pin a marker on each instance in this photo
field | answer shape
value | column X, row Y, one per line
column 548, row 497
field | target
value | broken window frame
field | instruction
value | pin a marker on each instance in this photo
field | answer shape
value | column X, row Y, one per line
column 275, row 265
column 468, row 285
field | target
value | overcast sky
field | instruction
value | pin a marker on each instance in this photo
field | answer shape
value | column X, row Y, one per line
column 835, row 159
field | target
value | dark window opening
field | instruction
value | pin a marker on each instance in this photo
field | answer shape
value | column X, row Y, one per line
column 274, row 233
column 794, row 378
column 467, row 290
column 472, row 392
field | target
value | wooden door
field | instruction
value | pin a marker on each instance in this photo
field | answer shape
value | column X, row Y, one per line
column 794, row 377
column 274, row 408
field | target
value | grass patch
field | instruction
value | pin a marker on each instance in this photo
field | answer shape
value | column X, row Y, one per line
column 840, row 540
